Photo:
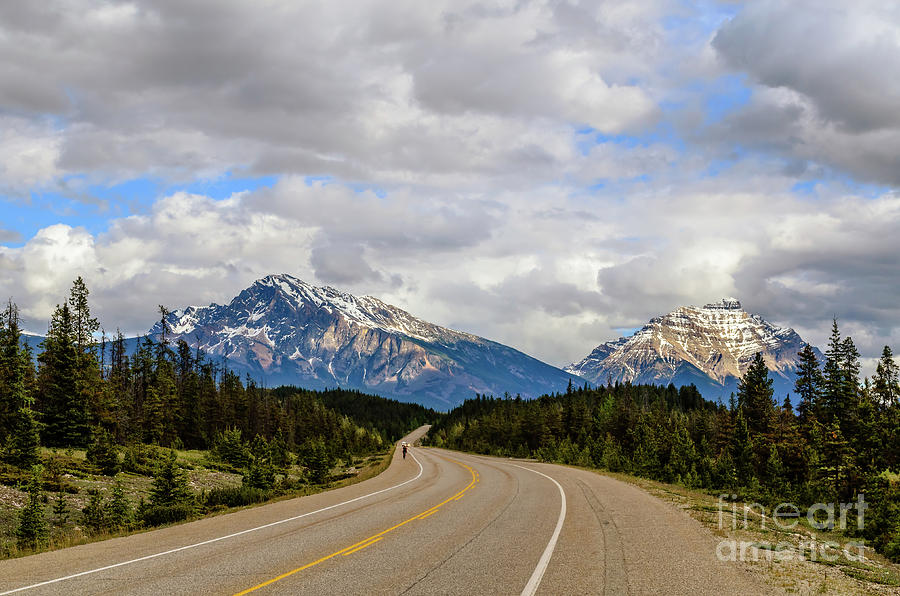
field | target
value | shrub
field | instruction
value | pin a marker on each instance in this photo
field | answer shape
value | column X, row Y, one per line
column 170, row 486
column 317, row 460
column 166, row 514
column 237, row 496
column 33, row 531
column 60, row 511
column 22, row 447
column 143, row 459
column 231, row 449
column 118, row 511
column 261, row 471
column 103, row 453
column 94, row 517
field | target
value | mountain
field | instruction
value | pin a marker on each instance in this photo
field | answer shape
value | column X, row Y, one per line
column 710, row 346
column 282, row 330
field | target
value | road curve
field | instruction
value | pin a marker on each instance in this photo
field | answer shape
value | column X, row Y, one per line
column 439, row 522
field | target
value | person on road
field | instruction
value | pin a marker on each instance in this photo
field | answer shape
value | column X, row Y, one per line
column 404, row 450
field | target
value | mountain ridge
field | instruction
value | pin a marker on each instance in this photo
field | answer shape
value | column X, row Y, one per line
column 284, row 330
column 710, row 346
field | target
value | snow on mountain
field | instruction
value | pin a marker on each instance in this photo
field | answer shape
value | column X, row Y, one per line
column 284, row 330
column 711, row 346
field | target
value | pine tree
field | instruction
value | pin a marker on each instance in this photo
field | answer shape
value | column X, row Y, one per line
column 775, row 472
column 118, row 511
column 260, row 473
column 15, row 369
column 837, row 466
column 886, row 382
column 93, row 514
column 170, row 485
column 808, row 385
column 84, row 325
column 755, row 396
column 33, row 531
column 22, row 446
column 60, row 510
column 832, row 377
column 281, row 457
column 850, row 369
column 742, row 453
column 317, row 460
column 63, row 410
column 103, row 453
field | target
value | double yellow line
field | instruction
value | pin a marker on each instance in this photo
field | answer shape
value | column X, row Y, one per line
column 374, row 538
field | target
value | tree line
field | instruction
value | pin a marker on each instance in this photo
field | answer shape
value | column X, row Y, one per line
column 163, row 394
column 84, row 390
column 842, row 439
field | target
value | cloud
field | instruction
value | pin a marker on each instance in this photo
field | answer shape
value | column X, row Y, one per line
column 538, row 172
column 9, row 236
column 375, row 90
column 828, row 83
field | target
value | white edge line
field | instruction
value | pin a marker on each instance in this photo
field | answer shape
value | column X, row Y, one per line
column 205, row 542
column 536, row 577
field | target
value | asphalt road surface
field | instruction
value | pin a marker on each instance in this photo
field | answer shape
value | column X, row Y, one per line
column 438, row 522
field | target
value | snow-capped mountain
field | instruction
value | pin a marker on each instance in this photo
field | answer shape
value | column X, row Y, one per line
column 282, row 330
column 710, row 346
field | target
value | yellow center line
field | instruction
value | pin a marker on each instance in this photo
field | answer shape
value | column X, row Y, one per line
column 366, row 545
column 371, row 539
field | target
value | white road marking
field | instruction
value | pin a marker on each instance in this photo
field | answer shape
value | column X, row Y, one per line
column 205, row 542
column 535, row 580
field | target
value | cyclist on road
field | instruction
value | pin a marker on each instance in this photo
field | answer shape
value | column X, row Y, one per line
column 404, row 450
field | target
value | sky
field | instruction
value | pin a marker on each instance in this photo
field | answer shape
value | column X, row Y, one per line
column 547, row 174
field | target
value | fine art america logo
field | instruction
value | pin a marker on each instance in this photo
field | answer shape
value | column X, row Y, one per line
column 786, row 517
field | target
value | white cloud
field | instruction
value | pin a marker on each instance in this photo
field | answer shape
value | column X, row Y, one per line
column 481, row 202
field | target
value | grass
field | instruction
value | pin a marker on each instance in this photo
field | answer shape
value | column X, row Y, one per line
column 779, row 552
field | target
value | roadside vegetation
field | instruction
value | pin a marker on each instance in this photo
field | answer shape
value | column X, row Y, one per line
column 842, row 441
column 97, row 442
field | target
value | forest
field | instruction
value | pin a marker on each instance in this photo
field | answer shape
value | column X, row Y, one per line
column 842, row 439
column 134, row 412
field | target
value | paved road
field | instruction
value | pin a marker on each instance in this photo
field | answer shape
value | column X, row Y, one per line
column 439, row 522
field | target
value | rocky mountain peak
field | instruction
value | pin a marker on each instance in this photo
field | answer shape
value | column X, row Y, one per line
column 282, row 329
column 724, row 304
column 711, row 346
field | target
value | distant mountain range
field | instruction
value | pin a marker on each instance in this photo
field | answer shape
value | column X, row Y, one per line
column 710, row 346
column 282, row 330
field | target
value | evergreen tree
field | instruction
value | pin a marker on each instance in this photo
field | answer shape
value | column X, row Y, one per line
column 103, row 453
column 60, row 510
column 742, row 453
column 886, row 382
column 775, row 472
column 93, row 514
column 118, row 511
column 22, row 446
column 317, row 460
column 755, row 396
column 33, row 531
column 832, row 377
column 15, row 366
column 83, row 324
column 837, row 467
column 261, row 472
column 808, row 385
column 170, row 485
column 63, row 410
